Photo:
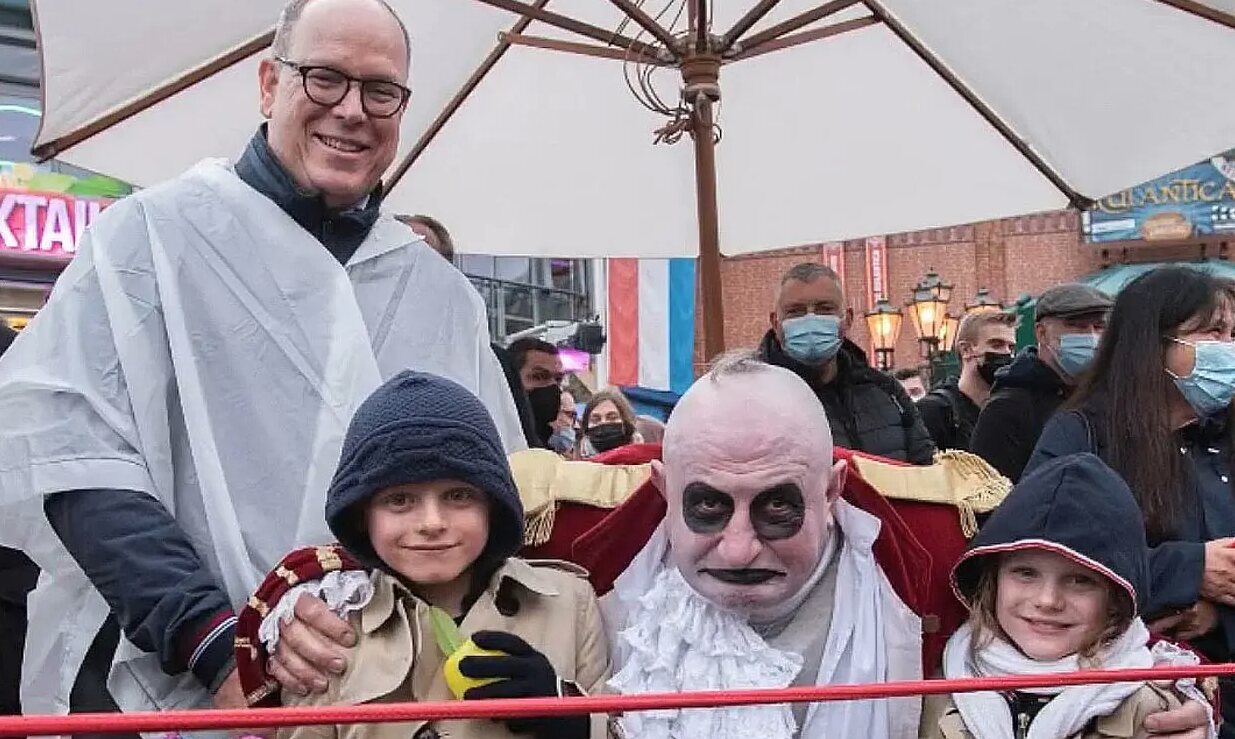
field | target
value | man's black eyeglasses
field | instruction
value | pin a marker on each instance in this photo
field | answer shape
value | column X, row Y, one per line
column 328, row 86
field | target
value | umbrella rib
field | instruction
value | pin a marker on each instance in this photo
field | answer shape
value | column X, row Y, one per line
column 537, row 12
column 637, row 14
column 1203, row 11
column 154, row 97
column 457, row 101
column 806, row 37
column 798, row 21
column 1077, row 200
column 746, row 22
column 604, row 52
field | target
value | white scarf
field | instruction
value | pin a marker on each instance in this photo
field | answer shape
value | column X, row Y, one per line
column 987, row 714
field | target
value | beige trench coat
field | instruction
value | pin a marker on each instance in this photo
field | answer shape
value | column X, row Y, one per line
column 396, row 658
column 942, row 720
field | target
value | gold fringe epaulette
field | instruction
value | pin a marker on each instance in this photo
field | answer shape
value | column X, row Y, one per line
column 956, row 478
column 545, row 480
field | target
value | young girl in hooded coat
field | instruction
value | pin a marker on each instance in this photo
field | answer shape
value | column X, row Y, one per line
column 1053, row 583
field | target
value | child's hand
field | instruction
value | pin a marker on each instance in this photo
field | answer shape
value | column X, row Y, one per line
column 523, row 672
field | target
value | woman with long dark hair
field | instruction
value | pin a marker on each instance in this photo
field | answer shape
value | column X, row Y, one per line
column 1156, row 407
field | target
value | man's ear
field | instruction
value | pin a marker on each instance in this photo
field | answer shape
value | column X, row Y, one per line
column 847, row 321
column 658, row 478
column 836, row 486
column 267, row 85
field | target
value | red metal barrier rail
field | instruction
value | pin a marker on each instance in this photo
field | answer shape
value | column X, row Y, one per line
column 175, row 721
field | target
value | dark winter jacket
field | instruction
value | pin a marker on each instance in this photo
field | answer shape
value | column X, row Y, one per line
column 867, row 410
column 1025, row 395
column 1176, row 561
column 949, row 416
column 129, row 544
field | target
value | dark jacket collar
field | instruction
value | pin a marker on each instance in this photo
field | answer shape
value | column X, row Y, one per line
column 340, row 232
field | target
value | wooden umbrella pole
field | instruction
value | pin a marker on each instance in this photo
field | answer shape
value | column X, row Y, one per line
column 701, row 72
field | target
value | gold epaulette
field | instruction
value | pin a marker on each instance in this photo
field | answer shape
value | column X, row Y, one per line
column 956, row 478
column 544, row 480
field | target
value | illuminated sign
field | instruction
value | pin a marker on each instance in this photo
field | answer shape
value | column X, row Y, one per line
column 45, row 224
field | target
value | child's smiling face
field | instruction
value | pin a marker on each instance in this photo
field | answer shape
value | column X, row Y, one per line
column 430, row 533
column 1049, row 606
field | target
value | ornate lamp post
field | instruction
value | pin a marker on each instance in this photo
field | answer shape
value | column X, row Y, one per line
column 884, row 323
column 983, row 301
column 928, row 310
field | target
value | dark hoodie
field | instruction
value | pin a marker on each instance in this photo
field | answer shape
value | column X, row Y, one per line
column 1025, row 395
column 867, row 410
column 419, row 427
column 1075, row 506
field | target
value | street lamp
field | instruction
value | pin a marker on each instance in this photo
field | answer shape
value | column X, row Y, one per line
column 928, row 310
column 947, row 336
column 983, row 302
column 884, row 323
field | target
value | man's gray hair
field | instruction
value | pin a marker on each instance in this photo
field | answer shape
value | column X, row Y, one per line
column 809, row 272
column 291, row 13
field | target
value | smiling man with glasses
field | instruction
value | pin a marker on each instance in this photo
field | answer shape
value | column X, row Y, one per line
column 176, row 412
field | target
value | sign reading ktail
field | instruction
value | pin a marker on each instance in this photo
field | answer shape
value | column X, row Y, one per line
column 45, row 224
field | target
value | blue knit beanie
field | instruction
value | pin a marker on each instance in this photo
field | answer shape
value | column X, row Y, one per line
column 420, row 427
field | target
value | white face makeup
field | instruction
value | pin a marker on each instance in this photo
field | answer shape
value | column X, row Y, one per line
column 749, row 482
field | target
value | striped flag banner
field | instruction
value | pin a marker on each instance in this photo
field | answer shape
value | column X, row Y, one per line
column 651, row 323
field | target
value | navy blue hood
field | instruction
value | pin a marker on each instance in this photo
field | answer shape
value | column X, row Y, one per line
column 1030, row 372
column 420, row 427
column 1075, row 506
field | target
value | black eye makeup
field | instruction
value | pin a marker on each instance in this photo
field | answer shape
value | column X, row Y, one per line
column 776, row 513
column 705, row 509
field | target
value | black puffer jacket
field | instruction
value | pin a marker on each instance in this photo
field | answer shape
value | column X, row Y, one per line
column 867, row 410
column 1025, row 395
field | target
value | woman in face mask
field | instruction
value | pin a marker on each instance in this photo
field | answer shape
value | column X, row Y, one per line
column 608, row 423
column 1156, row 407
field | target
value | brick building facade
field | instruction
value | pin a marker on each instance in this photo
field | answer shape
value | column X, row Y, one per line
column 1009, row 257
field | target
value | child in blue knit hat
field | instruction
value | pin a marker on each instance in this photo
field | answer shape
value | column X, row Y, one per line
column 424, row 496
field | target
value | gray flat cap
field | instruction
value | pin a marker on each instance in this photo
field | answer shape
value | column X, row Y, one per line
column 1071, row 299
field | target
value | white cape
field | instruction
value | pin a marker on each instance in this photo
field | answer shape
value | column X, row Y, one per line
column 206, row 350
column 874, row 637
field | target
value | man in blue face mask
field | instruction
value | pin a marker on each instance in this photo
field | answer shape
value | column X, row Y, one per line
column 1068, row 322
column 867, row 409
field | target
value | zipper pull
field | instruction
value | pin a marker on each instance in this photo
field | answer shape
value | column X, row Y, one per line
column 1022, row 730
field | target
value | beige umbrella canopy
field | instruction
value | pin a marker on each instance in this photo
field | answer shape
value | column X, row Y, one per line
column 532, row 123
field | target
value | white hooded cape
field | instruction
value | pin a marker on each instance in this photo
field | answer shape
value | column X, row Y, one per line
column 204, row 349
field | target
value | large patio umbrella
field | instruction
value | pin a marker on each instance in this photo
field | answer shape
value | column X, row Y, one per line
column 532, row 124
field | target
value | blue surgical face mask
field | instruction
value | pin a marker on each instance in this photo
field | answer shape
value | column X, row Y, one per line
column 1211, row 385
column 1076, row 353
column 563, row 440
column 811, row 339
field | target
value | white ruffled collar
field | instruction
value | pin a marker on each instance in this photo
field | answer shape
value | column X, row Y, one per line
column 677, row 641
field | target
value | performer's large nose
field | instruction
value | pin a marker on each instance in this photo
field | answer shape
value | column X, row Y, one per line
column 739, row 544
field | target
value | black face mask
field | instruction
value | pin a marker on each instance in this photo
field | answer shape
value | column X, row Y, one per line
column 991, row 363
column 608, row 436
column 546, row 402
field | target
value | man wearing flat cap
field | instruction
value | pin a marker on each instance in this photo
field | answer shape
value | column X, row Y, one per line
column 1068, row 322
